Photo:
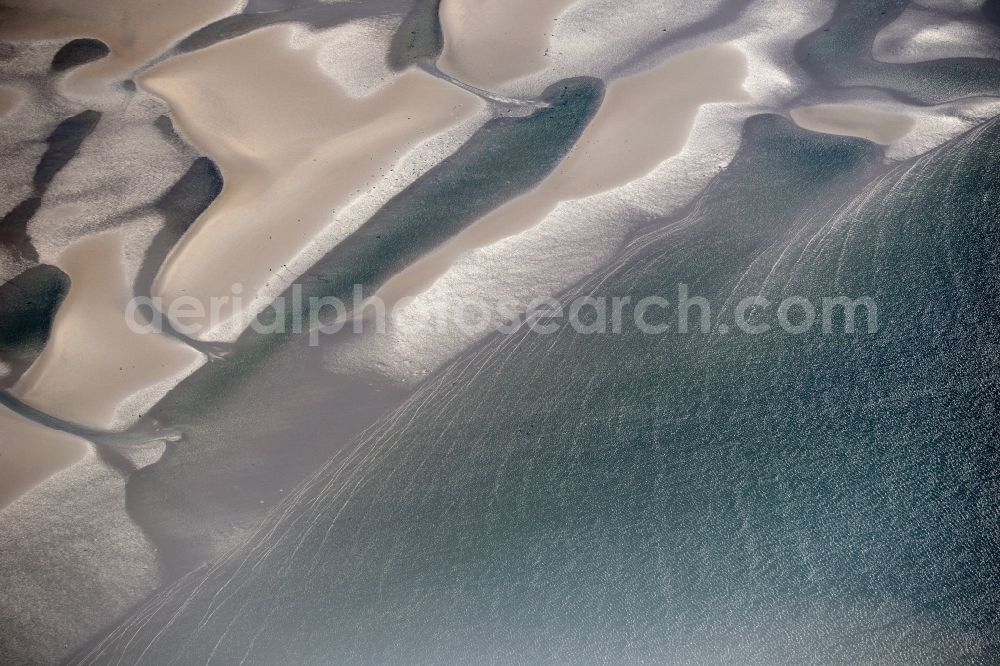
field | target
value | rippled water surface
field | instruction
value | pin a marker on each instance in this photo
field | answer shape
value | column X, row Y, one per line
column 214, row 448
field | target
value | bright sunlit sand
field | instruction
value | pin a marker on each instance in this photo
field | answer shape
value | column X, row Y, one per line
column 644, row 119
column 31, row 453
column 96, row 371
column 490, row 42
column 883, row 127
column 293, row 148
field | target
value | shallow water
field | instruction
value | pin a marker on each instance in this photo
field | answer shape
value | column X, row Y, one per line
column 433, row 493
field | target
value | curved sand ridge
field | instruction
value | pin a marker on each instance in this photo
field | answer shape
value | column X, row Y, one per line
column 135, row 30
column 882, row 127
column 293, row 148
column 645, row 119
column 490, row 42
column 31, row 453
column 919, row 35
column 905, row 130
column 579, row 236
column 95, row 370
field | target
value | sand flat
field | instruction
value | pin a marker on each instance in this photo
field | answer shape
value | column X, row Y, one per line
column 920, row 34
column 10, row 98
column 490, row 42
column 882, row 127
column 31, row 453
column 293, row 147
column 645, row 119
column 71, row 558
column 135, row 30
column 95, row 371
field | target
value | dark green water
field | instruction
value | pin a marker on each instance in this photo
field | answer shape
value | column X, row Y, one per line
column 28, row 305
column 815, row 498
column 839, row 54
column 256, row 419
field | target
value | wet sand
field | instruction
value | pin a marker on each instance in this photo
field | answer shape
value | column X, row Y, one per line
column 95, row 371
column 321, row 146
column 293, row 148
column 644, row 120
column 9, row 99
column 920, row 34
column 136, row 31
column 71, row 560
column 31, row 453
column 882, row 127
column 490, row 42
